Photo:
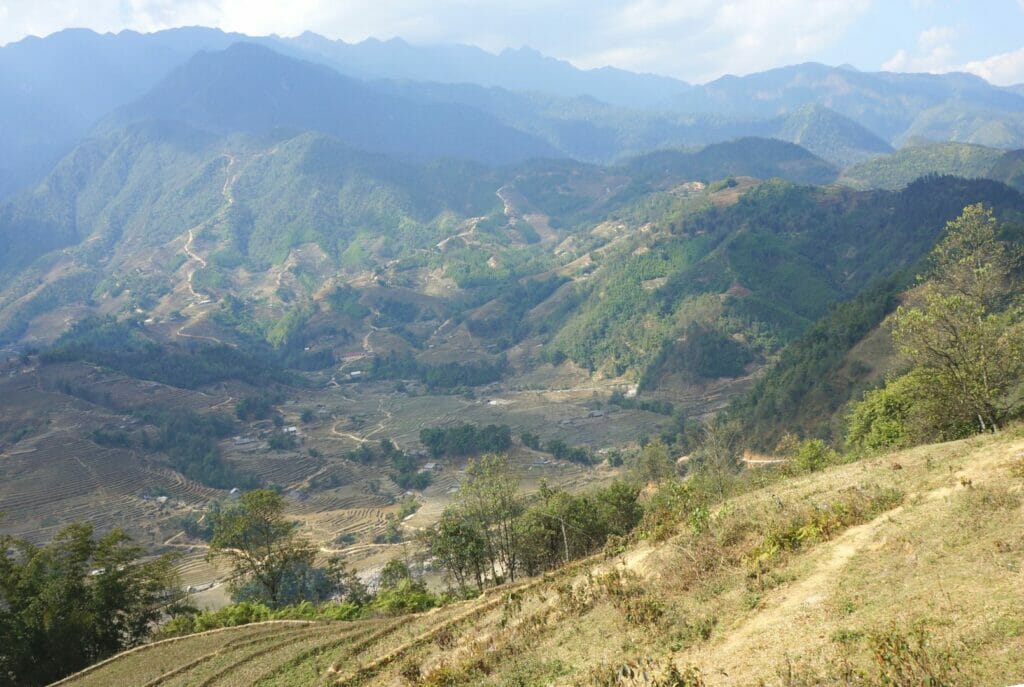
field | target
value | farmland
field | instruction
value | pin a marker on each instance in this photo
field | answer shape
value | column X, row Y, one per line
column 55, row 472
column 948, row 517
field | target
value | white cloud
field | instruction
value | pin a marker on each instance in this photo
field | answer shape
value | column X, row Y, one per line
column 704, row 39
column 934, row 53
column 1004, row 69
column 693, row 39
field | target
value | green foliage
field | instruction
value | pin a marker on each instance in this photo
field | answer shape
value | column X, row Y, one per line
column 345, row 300
column 879, row 421
column 530, row 440
column 650, row 405
column 282, row 441
column 438, row 376
column 75, row 601
column 810, row 382
column 763, row 269
column 964, row 334
column 488, row 529
column 907, row 164
column 574, row 454
column 813, row 455
column 708, row 353
column 407, row 596
column 258, row 407
column 262, row 547
column 653, row 463
column 466, row 439
column 124, row 346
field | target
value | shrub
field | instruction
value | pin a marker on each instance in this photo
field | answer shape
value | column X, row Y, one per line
column 814, row 455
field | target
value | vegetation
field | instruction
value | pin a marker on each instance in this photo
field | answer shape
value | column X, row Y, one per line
column 263, row 548
column 77, row 600
column 123, row 346
column 466, row 440
column 438, row 376
column 491, row 533
column 963, row 335
column 897, row 170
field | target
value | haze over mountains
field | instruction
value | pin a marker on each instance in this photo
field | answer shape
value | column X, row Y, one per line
column 372, row 290
column 55, row 89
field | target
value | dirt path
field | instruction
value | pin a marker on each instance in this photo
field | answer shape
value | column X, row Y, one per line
column 799, row 604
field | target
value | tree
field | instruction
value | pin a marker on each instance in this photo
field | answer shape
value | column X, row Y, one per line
column 490, row 501
column 75, row 601
column 459, row 547
column 262, row 546
column 654, row 463
column 963, row 334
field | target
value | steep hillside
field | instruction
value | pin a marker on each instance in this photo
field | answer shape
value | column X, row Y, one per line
column 846, row 572
column 219, row 215
column 1009, row 169
column 253, row 89
column 709, row 284
column 829, row 135
column 54, row 89
column 902, row 167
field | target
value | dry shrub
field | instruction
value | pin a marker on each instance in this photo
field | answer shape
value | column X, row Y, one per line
column 644, row 672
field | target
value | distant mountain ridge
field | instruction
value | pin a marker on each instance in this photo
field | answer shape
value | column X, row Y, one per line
column 253, row 89
column 53, row 90
column 887, row 103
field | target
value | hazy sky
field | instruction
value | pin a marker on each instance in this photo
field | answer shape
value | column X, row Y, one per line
column 696, row 40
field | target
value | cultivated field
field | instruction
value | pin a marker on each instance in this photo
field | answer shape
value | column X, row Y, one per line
column 946, row 540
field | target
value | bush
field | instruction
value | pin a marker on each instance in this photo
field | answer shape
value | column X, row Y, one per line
column 879, row 420
column 814, row 455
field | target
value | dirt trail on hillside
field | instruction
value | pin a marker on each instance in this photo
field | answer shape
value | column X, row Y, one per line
column 790, row 610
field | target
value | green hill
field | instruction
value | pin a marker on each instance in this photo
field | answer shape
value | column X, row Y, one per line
column 902, row 167
column 830, row 135
column 758, row 271
column 1009, row 169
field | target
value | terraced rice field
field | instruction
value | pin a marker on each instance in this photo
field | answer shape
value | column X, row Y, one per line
column 299, row 653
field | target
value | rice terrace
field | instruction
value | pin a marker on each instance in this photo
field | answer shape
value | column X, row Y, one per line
column 662, row 344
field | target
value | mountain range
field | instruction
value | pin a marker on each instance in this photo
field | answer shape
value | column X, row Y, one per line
column 53, row 90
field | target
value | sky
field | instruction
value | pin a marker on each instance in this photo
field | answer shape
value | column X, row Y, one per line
column 694, row 40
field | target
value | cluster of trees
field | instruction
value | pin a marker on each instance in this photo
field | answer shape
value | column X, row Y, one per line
column 558, row 448
column 75, row 601
column 259, row 407
column 405, row 471
column 191, row 439
column 344, row 299
column 962, row 332
column 274, row 567
column 651, row 405
column 810, row 382
column 124, row 346
column 507, row 322
column 492, row 533
column 574, row 454
column 466, row 439
column 708, row 353
column 438, row 376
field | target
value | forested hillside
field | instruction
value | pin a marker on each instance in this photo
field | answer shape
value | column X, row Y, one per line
column 730, row 272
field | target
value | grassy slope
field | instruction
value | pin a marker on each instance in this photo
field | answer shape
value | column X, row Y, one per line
column 947, row 553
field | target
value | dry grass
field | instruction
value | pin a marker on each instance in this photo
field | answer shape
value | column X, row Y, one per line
column 860, row 574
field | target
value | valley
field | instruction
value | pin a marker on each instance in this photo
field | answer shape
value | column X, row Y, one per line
column 329, row 363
